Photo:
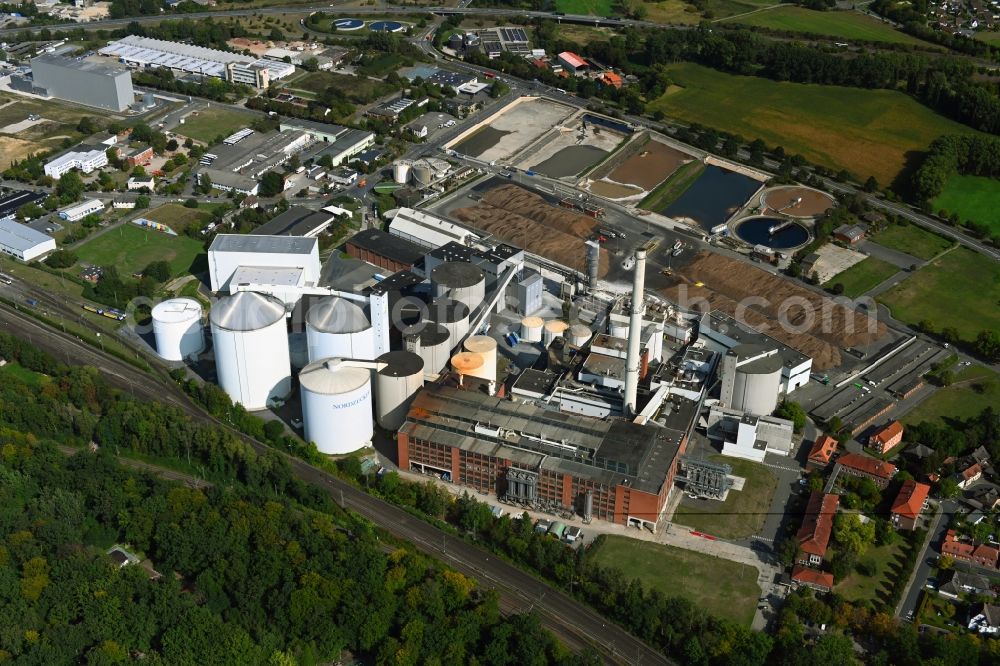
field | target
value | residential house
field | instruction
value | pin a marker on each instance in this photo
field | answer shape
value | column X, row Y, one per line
column 909, row 503
column 817, row 580
column 851, row 234
column 969, row 475
column 986, row 620
column 965, row 583
column 982, row 555
column 610, row 79
column 821, row 453
column 817, row 525
column 887, row 438
column 988, row 498
column 856, row 464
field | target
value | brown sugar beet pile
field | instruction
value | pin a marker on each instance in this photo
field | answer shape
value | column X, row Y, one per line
column 513, row 214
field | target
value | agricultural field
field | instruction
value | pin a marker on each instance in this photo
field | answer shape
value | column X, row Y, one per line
column 975, row 388
column 743, row 512
column 973, row 198
column 723, row 588
column 359, row 90
column 586, row 7
column 130, row 249
column 584, row 34
column 913, row 240
column 960, row 289
column 863, row 276
column 213, row 123
column 848, row 25
column 988, row 37
column 867, row 132
column 672, row 11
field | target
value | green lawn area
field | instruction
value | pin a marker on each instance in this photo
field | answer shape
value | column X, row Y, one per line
column 179, row 217
column 385, row 63
column 721, row 587
column 212, row 123
column 743, row 512
column 990, row 37
column 14, row 371
column 973, row 198
column 913, row 240
column 961, row 289
column 841, row 24
column 884, row 563
column 357, row 89
column 862, row 276
column 867, row 132
column 131, row 249
column 975, row 389
column 586, row 7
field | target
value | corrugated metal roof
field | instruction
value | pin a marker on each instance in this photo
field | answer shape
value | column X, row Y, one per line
column 264, row 244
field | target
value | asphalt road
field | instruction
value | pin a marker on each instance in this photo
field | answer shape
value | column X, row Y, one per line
column 575, row 624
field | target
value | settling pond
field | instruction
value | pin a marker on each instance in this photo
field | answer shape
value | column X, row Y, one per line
column 570, row 161
column 756, row 231
column 714, row 197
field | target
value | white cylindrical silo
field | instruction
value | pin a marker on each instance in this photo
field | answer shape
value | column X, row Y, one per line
column 177, row 328
column 336, row 405
column 467, row 363
column 251, row 348
column 553, row 329
column 451, row 314
column 531, row 329
column 460, row 281
column 396, row 385
column 338, row 328
column 430, row 340
column 486, row 347
column 401, row 172
column 423, row 174
column 578, row 334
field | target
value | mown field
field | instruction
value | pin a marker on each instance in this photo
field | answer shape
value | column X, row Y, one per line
column 867, row 132
column 973, row 198
column 130, row 249
column 846, row 25
column 863, row 276
column 360, row 90
column 961, row 289
column 912, row 240
column 212, row 123
column 721, row 587
column 975, row 389
column 586, row 7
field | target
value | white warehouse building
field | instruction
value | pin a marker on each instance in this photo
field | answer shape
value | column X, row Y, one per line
column 86, row 161
column 23, row 242
column 80, row 210
column 428, row 230
column 237, row 262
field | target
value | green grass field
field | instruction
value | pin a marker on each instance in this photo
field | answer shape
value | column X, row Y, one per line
column 960, row 289
column 863, row 276
column 743, row 512
column 884, row 562
column 179, row 217
column 357, row 89
column 131, row 249
column 586, row 7
column 212, row 123
column 912, row 240
column 721, row 587
column 973, row 198
column 840, row 24
column 975, row 389
column 867, row 132
column 14, row 371
column 989, row 37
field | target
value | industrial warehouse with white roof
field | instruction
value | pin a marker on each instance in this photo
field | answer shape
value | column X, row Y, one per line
column 22, row 242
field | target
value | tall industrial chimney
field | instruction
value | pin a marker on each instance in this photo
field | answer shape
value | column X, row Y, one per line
column 632, row 359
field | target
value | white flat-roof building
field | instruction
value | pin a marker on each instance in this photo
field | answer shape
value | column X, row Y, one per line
column 86, row 161
column 747, row 436
column 137, row 183
column 235, row 259
column 428, row 230
column 80, row 210
column 23, row 242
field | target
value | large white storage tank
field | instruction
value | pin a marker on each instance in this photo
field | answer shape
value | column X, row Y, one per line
column 486, row 347
column 396, row 385
column 336, row 405
column 423, row 174
column 451, row 314
column 401, row 172
column 553, row 329
column 531, row 329
column 460, row 281
column 578, row 334
column 177, row 328
column 251, row 348
column 338, row 328
column 431, row 341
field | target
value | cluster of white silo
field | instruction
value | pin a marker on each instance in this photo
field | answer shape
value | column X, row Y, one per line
column 251, row 348
column 553, row 329
column 336, row 327
column 486, row 348
column 578, row 334
column 401, row 172
column 460, row 281
column 336, row 405
column 531, row 329
column 177, row 329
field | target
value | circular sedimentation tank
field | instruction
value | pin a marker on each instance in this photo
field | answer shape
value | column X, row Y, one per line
column 386, row 26
column 777, row 233
column 349, row 24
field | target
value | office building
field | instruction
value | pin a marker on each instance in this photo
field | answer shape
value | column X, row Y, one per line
column 84, row 82
column 84, row 160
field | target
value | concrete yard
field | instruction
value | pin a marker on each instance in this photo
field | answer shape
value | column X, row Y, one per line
column 834, row 260
column 570, row 149
column 512, row 129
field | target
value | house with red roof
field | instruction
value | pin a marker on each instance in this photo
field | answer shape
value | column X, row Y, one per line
column 821, row 452
column 817, row 525
column 867, row 467
column 959, row 549
column 610, row 79
column 909, row 503
column 969, row 475
column 817, row 580
column 887, row 438
column 572, row 62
